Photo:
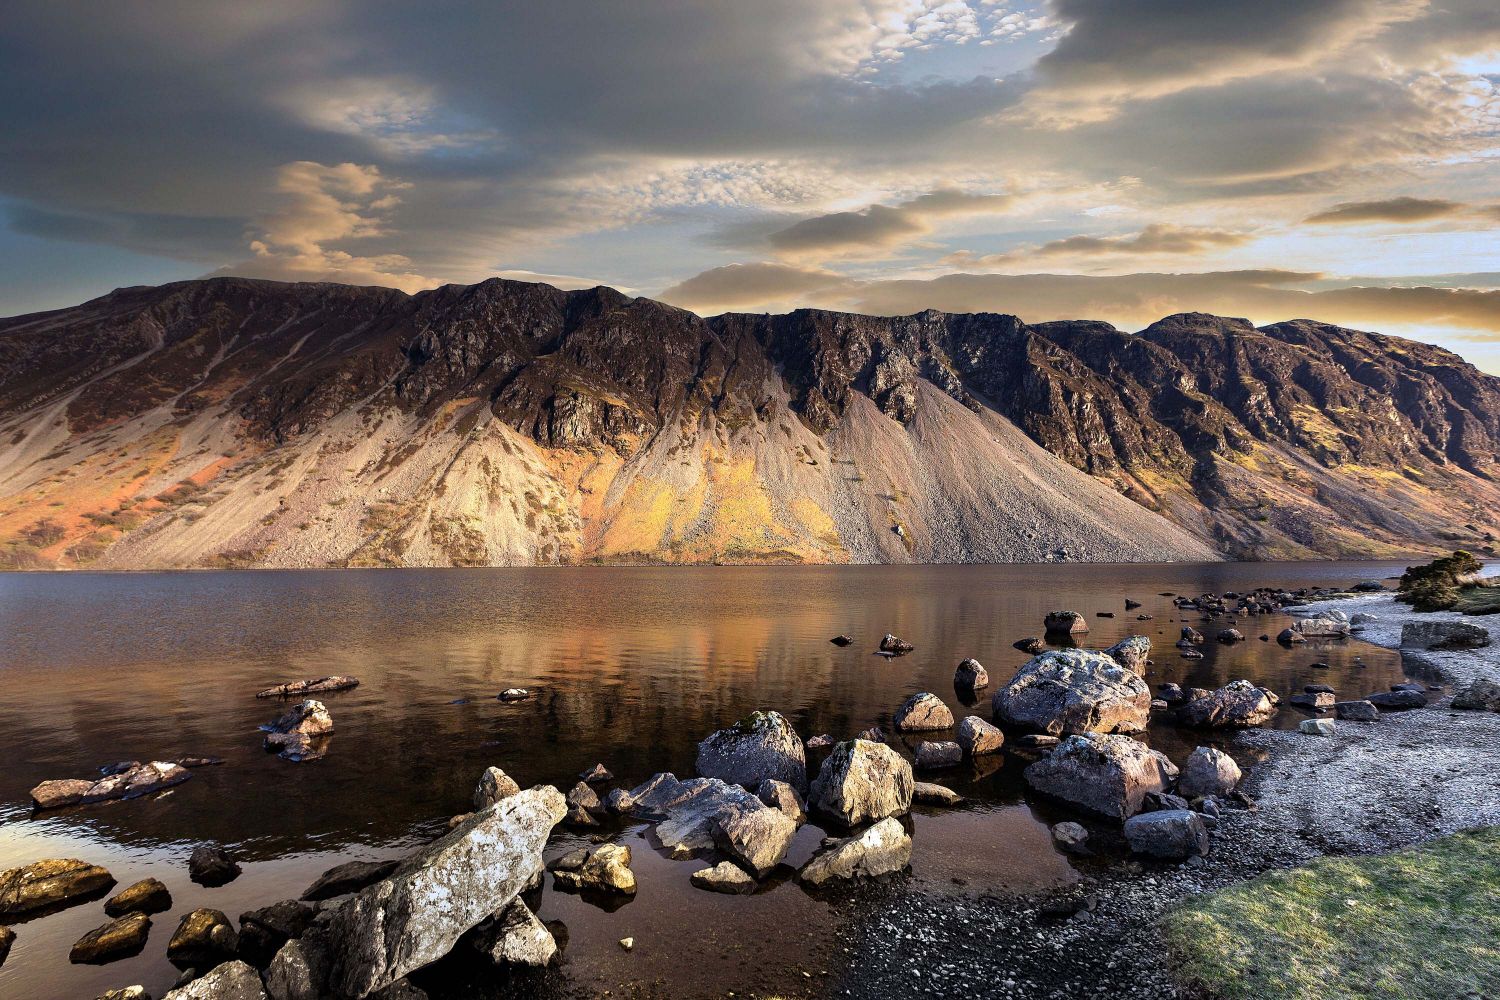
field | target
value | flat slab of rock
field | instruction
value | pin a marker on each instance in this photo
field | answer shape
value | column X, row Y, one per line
column 349, row 877
column 1236, row 704
column 725, row 877
column 977, row 737
column 120, row 938
column 413, row 918
column 862, row 781
column 763, row 745
column 318, row 685
column 1068, row 691
column 146, row 896
column 230, row 981
column 130, row 781
column 1398, row 701
column 880, row 850
column 1107, row 775
column 933, row 755
column 929, row 794
column 922, row 711
column 1439, row 636
column 1173, row 834
column 51, row 884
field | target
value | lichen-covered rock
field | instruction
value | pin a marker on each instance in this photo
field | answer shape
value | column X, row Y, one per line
column 780, row 795
column 977, row 737
column 1173, row 834
column 146, row 896
column 935, row 754
column 414, row 917
column 494, row 785
column 880, row 850
column 516, row 938
column 1236, row 704
column 1067, row 691
column 230, row 981
column 1322, row 627
column 921, row 712
column 970, row 676
column 757, row 836
column 862, row 781
column 1131, row 652
column 1208, row 771
column 1103, row 774
column 607, row 869
column 120, row 938
column 1065, row 623
column 51, row 884
column 762, row 746
column 1443, row 635
column 203, row 938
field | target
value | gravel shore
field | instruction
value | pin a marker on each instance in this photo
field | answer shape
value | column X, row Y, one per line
column 1404, row 779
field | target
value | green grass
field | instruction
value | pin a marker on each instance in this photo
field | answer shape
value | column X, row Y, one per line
column 1419, row 924
column 1480, row 599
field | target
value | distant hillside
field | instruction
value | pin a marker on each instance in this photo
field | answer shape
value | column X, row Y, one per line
column 229, row 422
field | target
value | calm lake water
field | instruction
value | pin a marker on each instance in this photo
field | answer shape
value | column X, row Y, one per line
column 631, row 668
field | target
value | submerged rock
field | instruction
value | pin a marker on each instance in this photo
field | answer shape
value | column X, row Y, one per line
column 922, row 711
column 1074, row 691
column 120, row 938
column 929, row 794
column 404, row 922
column 977, row 737
column 1236, row 704
column 842, row 640
column 1290, row 637
column 514, row 694
column 762, row 746
column 880, row 850
column 862, row 781
column 1104, row 774
column 1030, row 645
column 1208, row 772
column 607, row 869
column 725, row 877
column 146, row 896
column 318, row 685
column 51, row 884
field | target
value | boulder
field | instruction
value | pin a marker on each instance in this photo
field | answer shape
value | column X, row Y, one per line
column 928, row 794
column 757, row 836
column 1070, row 837
column 146, row 896
column 1238, row 703
column 210, row 865
column 780, row 795
column 977, row 737
column 1030, row 645
column 1103, row 774
column 583, row 797
column 1398, row 701
column 1290, row 637
column 1317, row 701
column 1173, row 834
column 494, row 785
column 404, row 922
column 125, row 993
column 894, row 646
column 127, row 780
column 934, row 754
column 763, row 745
column 1070, row 691
column 725, row 877
column 970, row 676
column 1131, row 652
column 51, row 884
column 60, row 792
column 1482, row 695
column 883, row 848
column 686, row 824
column 1443, row 635
column 230, row 981
column 203, row 939
column 264, row 931
column 1363, row 618
column 652, row 799
column 349, row 877
column 1065, row 623
column 301, row 732
column 1190, row 636
column 607, row 869
column 1322, row 627
column 1206, row 772
column 318, row 685
column 1356, row 711
column 299, row 971
column 922, row 711
column 516, row 938
column 861, row 782
column 120, row 938
column 1316, row 727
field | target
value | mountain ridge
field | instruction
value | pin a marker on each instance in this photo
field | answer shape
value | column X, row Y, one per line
column 231, row 421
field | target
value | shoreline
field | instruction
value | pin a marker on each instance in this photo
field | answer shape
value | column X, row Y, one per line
column 1408, row 778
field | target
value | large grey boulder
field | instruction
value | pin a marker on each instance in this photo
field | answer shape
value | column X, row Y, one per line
column 754, row 834
column 883, row 848
column 1103, row 774
column 762, row 746
column 1131, row 652
column 230, row 981
column 922, row 711
column 1066, row 691
column 977, row 737
column 516, row 938
column 1443, row 635
column 1208, row 771
column 1173, row 834
column 414, row 917
column 862, row 781
column 1236, row 704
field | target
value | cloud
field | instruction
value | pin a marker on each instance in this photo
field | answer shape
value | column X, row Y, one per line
column 880, row 227
column 766, row 285
column 1157, row 238
column 1403, row 209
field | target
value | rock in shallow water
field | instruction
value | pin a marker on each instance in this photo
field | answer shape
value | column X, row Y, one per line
column 318, row 685
column 894, row 646
column 607, row 869
column 494, row 785
column 51, row 884
column 977, row 737
column 880, row 850
column 1068, row 691
column 230, row 981
column 1103, row 774
column 300, row 733
column 971, row 676
column 761, row 746
column 349, row 877
column 146, row 896
column 1131, row 652
column 130, row 781
column 203, row 938
column 929, row 794
column 1236, row 704
column 862, row 781
column 922, row 711
column 210, row 865
column 725, row 877
column 1065, row 623
column 120, row 938
column 936, row 754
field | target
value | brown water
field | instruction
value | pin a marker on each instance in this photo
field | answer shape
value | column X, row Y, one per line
column 632, row 667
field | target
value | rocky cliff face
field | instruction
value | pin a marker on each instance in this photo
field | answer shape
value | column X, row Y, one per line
column 236, row 422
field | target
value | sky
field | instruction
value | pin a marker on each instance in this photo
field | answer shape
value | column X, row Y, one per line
column 1119, row 160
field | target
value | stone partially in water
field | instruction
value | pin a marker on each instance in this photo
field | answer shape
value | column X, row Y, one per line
column 210, row 865
column 862, row 781
column 936, row 754
column 230, row 981
column 1236, row 704
column 7, row 938
column 894, row 646
column 1069, row 691
column 264, row 931
column 301, row 732
column 349, row 877
column 120, row 938
column 1103, row 774
column 977, row 737
column 494, row 785
column 971, row 676
column 929, row 794
column 1132, row 652
column 757, row 836
column 725, row 877
column 203, row 938
column 606, row 870
column 880, row 850
column 760, row 747
column 60, row 792
column 51, row 884
column 1065, row 623
column 146, row 896
column 128, row 780
column 921, row 712
column 317, row 685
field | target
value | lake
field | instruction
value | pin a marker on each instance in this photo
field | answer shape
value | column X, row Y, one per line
column 631, row 667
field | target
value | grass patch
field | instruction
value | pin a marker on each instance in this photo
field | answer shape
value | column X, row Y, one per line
column 1479, row 599
column 1419, row 924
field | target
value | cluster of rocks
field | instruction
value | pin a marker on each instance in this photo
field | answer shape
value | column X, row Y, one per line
column 124, row 780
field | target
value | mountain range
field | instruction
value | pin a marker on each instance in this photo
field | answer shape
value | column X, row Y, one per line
column 228, row 422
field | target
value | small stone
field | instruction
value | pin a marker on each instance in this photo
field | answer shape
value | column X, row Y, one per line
column 1316, row 727
column 970, row 676
column 606, row 870
column 514, row 694
column 628, row 943
column 596, row 774
column 120, row 938
column 203, row 938
column 842, row 640
column 922, row 711
column 725, row 877
column 935, row 754
column 1071, row 837
column 977, row 737
column 211, row 866
column 146, row 896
